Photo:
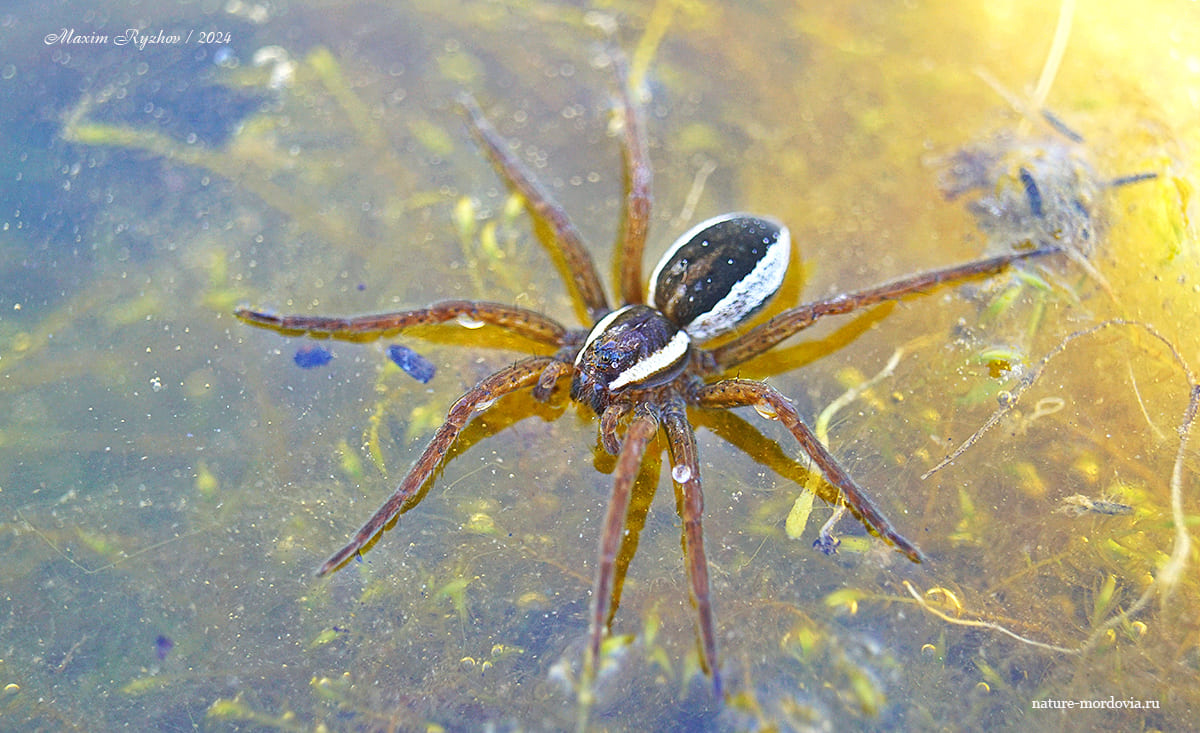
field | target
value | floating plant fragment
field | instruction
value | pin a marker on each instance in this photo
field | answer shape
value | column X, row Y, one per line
column 163, row 646
column 413, row 364
column 1078, row 504
column 311, row 356
column 1036, row 188
column 1032, row 190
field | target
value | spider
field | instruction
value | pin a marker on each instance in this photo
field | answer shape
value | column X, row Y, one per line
column 640, row 366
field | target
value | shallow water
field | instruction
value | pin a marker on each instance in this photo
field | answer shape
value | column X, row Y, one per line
column 169, row 477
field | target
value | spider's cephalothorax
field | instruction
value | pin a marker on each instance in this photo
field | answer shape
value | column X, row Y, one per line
column 711, row 280
column 640, row 366
column 633, row 347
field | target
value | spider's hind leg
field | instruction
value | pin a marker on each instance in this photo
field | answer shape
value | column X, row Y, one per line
column 796, row 319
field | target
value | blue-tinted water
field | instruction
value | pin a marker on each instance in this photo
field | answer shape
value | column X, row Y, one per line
column 170, row 477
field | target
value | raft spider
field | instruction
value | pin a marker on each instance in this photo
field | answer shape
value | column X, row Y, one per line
column 642, row 365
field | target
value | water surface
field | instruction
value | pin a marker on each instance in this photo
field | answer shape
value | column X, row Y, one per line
column 169, row 477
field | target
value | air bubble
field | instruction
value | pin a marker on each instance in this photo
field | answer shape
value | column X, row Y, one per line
column 484, row 405
column 681, row 473
column 466, row 321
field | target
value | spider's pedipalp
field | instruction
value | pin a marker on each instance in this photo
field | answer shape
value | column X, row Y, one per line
column 609, row 420
column 553, row 372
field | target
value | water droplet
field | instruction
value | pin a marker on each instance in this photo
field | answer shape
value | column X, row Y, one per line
column 764, row 408
column 681, row 473
column 466, row 321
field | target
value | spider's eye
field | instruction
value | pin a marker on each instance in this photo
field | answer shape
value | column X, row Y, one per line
column 720, row 273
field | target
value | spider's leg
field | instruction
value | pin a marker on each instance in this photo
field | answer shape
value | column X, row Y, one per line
column 743, row 392
column 685, row 472
column 791, row 321
column 635, row 218
column 509, row 379
column 567, row 239
column 520, row 321
column 641, row 430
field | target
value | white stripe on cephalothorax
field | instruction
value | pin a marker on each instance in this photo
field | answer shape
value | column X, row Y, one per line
column 669, row 354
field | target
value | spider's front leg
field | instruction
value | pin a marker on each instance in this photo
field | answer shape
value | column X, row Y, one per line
column 685, row 472
column 743, row 393
column 520, row 321
column 794, row 320
column 635, row 221
column 509, row 379
column 568, row 242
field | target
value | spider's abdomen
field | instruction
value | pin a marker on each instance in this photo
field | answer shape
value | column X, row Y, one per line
column 632, row 347
column 720, row 273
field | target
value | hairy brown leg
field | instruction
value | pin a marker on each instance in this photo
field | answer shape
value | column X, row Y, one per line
column 520, row 321
column 584, row 279
column 756, row 341
column 509, row 379
column 635, row 219
column 743, row 392
column 629, row 461
column 685, row 471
